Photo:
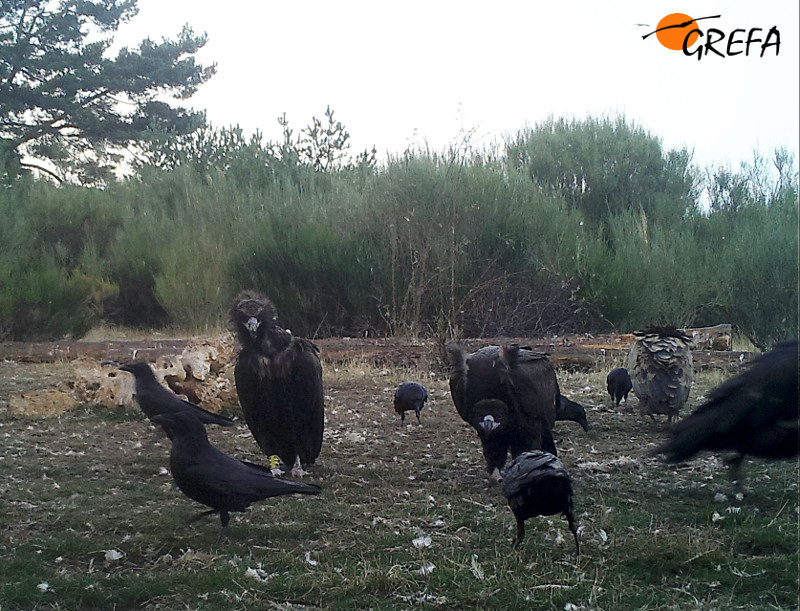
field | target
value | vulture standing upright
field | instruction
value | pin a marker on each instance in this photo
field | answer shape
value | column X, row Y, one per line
column 509, row 396
column 279, row 383
column 660, row 366
column 754, row 414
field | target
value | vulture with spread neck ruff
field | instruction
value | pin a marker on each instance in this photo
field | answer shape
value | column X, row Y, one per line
column 752, row 414
column 537, row 484
column 660, row 366
column 509, row 396
column 279, row 383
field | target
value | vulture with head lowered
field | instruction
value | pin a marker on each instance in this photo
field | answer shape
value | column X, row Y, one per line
column 660, row 366
column 537, row 484
column 279, row 383
column 752, row 414
column 509, row 396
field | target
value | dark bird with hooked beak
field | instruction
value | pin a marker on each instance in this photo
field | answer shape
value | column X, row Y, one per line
column 279, row 383
column 537, row 484
column 752, row 414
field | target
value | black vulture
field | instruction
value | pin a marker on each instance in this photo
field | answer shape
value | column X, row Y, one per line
column 752, row 414
column 154, row 399
column 279, row 383
column 570, row 410
column 409, row 397
column 211, row 477
column 537, row 484
column 508, row 395
column 618, row 383
column 660, row 366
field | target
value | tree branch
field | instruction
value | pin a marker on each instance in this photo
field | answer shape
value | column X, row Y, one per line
column 36, row 166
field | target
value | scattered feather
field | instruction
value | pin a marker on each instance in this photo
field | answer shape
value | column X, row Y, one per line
column 426, row 569
column 113, row 555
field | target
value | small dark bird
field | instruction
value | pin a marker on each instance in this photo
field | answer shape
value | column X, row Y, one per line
column 618, row 383
column 537, row 484
column 409, row 396
column 279, row 383
column 569, row 410
column 211, row 477
column 154, row 399
column 752, row 414
column 660, row 366
column 508, row 395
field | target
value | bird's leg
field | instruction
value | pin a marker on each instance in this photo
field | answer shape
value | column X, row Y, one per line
column 574, row 528
column 735, row 469
column 418, row 418
column 495, row 477
column 297, row 469
column 224, row 518
column 402, row 418
column 520, row 533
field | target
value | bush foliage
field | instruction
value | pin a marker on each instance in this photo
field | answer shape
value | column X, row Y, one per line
column 573, row 226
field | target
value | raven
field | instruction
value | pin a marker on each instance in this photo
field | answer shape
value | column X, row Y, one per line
column 154, row 399
column 211, row 477
column 409, row 396
column 618, row 384
column 752, row 414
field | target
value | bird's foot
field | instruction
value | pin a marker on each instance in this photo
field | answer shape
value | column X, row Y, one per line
column 297, row 469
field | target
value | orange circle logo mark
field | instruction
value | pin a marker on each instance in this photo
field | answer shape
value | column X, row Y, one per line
column 673, row 29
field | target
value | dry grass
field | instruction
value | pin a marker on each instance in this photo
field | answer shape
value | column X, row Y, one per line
column 91, row 519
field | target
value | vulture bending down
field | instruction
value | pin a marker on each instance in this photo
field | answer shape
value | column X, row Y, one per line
column 618, row 383
column 409, row 397
column 211, row 477
column 754, row 414
column 537, row 484
column 509, row 396
column 279, row 383
column 660, row 365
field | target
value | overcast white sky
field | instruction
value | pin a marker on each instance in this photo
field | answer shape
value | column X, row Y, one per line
column 400, row 73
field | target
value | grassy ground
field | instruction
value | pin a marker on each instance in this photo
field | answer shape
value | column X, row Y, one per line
column 89, row 517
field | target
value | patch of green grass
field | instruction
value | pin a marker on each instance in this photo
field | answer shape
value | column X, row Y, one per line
column 406, row 519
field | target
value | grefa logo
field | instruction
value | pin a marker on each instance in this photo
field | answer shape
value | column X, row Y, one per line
column 680, row 32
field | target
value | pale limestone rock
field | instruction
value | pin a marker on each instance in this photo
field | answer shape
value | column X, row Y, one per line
column 40, row 404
